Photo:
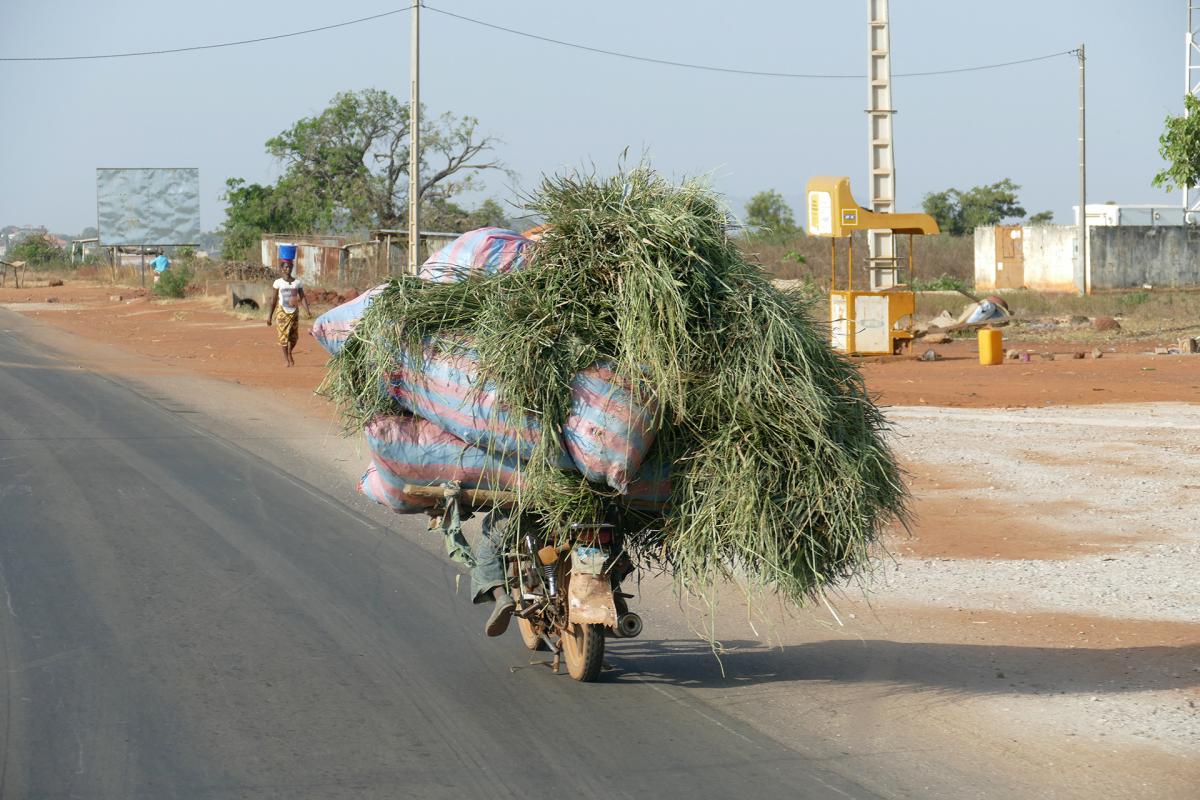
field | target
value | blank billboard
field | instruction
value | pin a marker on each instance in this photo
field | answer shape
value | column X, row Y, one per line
column 148, row 206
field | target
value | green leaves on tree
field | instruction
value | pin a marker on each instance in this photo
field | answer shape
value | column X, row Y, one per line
column 1179, row 146
column 959, row 213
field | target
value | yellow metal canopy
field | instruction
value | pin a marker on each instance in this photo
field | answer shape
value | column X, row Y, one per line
column 832, row 212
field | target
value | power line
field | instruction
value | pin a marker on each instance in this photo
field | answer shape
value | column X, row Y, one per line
column 547, row 39
column 730, row 70
column 984, row 66
column 213, row 46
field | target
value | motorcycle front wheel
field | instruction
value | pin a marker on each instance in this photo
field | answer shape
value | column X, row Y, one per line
column 583, row 650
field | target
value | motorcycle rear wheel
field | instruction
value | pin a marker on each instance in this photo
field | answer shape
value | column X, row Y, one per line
column 583, row 649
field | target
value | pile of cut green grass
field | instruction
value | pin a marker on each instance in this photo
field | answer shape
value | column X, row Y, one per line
column 780, row 472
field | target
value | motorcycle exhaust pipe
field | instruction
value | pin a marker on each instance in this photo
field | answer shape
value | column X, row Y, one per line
column 629, row 625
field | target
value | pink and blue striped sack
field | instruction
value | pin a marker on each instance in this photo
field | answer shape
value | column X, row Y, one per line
column 335, row 326
column 486, row 251
column 606, row 435
column 390, row 493
column 652, row 488
column 411, row 450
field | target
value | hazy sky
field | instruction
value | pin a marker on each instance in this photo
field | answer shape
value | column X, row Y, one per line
column 555, row 107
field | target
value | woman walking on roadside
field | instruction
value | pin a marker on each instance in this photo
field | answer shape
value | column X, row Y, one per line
column 285, row 309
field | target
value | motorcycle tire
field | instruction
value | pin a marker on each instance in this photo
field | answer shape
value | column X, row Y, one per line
column 583, row 650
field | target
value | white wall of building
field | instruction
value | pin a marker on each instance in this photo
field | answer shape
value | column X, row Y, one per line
column 985, row 258
column 1050, row 258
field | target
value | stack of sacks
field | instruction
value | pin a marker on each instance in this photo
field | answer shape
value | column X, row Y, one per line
column 606, row 435
column 781, row 474
column 459, row 430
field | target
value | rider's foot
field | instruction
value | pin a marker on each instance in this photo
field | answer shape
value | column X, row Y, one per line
column 498, row 622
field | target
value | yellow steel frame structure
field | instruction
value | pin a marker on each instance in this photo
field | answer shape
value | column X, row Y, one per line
column 871, row 322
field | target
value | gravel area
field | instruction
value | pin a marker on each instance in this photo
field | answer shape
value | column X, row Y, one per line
column 1127, row 470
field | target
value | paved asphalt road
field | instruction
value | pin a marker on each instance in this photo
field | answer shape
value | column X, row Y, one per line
column 182, row 619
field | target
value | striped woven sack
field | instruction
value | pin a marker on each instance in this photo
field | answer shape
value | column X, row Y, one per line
column 334, row 327
column 652, row 488
column 486, row 251
column 411, row 450
column 389, row 493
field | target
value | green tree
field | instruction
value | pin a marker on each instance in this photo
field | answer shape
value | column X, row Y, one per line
column 35, row 250
column 768, row 211
column 352, row 158
column 1179, row 146
column 442, row 214
column 254, row 209
column 1041, row 218
column 489, row 214
column 959, row 213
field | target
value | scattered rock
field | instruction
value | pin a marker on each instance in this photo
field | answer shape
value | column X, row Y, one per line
column 115, row 298
column 51, row 299
column 930, row 355
column 943, row 320
column 1079, row 354
column 1097, row 352
column 1105, row 324
column 1046, row 356
column 55, row 282
column 1079, row 319
column 1013, row 355
column 936, row 338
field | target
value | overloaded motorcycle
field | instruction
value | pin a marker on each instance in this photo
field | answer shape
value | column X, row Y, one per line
column 566, row 584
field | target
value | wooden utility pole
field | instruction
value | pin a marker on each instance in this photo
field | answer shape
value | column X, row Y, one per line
column 414, row 158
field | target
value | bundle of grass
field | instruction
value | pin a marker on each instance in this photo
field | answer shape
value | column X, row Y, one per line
column 780, row 476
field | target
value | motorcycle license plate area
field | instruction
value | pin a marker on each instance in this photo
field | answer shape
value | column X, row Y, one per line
column 590, row 601
column 590, row 596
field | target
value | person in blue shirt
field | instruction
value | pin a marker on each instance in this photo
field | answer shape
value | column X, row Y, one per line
column 160, row 264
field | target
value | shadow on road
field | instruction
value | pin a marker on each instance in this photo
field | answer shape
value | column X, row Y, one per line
column 968, row 668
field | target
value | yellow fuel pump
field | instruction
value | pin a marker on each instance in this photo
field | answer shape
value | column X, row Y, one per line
column 875, row 322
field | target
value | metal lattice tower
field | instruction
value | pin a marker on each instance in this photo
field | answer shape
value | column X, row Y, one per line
column 1191, row 194
column 881, row 248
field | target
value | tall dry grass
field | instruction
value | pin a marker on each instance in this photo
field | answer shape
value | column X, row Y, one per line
column 799, row 256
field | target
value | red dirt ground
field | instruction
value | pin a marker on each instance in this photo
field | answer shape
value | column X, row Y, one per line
column 1127, row 376
column 197, row 334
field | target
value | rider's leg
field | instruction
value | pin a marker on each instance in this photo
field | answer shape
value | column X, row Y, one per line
column 488, row 573
column 487, row 578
